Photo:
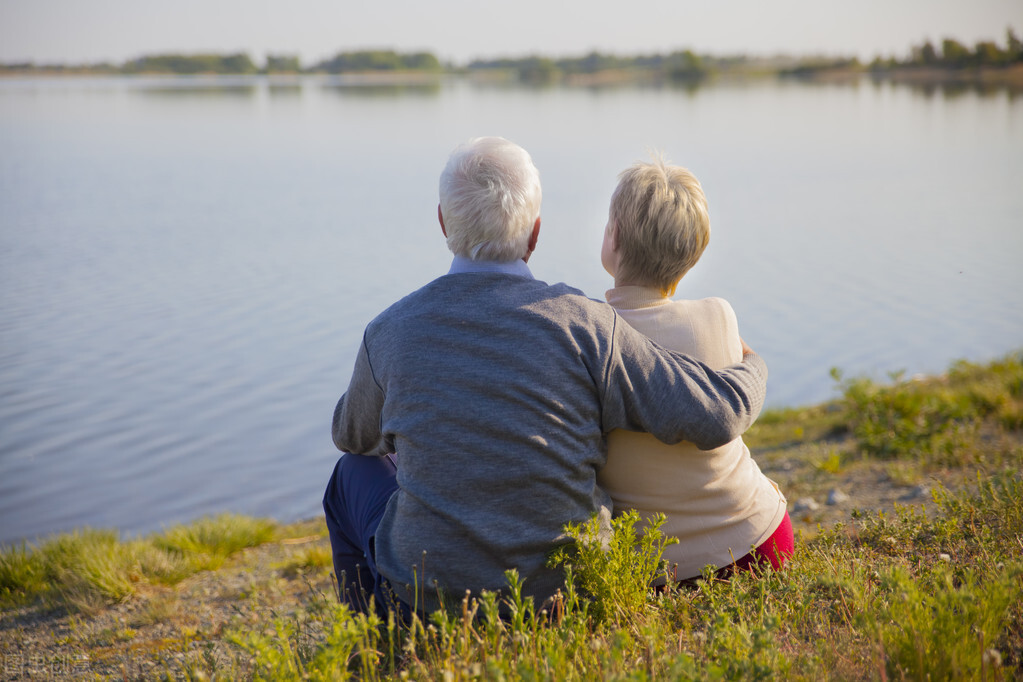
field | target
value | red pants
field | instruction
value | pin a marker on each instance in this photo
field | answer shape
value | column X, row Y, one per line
column 774, row 551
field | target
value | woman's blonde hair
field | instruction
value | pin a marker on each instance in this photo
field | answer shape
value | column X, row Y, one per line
column 660, row 222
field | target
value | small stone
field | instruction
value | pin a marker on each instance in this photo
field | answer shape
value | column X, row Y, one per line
column 944, row 557
column 993, row 658
column 805, row 504
column 919, row 492
column 837, row 497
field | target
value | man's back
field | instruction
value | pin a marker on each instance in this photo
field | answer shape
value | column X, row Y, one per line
column 495, row 391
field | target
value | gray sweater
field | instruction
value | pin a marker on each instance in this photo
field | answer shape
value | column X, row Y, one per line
column 496, row 392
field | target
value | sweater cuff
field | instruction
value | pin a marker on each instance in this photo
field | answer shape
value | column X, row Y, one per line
column 755, row 363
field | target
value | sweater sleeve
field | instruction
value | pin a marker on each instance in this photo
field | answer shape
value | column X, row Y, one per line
column 675, row 397
column 357, row 417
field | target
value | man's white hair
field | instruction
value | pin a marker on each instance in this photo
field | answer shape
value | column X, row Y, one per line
column 489, row 199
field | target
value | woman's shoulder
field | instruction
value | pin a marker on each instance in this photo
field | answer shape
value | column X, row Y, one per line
column 714, row 329
column 711, row 307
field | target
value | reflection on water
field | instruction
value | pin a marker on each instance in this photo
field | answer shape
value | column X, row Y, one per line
column 286, row 89
column 212, row 90
column 433, row 84
column 186, row 265
column 382, row 90
column 251, row 86
column 954, row 89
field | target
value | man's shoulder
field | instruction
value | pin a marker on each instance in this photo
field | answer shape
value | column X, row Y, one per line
column 495, row 290
column 564, row 295
column 452, row 288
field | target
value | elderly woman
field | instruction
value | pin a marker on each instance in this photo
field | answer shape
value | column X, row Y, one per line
column 724, row 512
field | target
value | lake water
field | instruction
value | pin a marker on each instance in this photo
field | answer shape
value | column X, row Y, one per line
column 186, row 266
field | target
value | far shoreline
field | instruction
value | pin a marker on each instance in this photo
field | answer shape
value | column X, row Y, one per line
column 1009, row 77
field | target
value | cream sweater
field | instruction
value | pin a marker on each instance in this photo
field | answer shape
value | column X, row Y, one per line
column 717, row 502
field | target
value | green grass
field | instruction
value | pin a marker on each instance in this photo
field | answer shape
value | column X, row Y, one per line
column 907, row 594
column 88, row 569
column 898, row 596
column 946, row 421
column 206, row 543
column 906, row 432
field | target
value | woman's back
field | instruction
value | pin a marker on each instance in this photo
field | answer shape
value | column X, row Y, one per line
column 716, row 502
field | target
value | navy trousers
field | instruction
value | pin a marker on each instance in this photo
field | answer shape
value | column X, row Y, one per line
column 353, row 504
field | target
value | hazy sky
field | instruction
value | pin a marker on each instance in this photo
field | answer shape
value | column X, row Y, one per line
column 77, row 31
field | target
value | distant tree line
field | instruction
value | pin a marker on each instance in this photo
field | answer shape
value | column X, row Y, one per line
column 955, row 55
column 378, row 60
column 814, row 65
column 234, row 64
column 241, row 64
column 100, row 68
column 679, row 65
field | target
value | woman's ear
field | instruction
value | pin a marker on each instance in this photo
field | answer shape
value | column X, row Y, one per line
column 612, row 235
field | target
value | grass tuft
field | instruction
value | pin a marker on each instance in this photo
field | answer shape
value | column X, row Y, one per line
column 209, row 541
column 88, row 569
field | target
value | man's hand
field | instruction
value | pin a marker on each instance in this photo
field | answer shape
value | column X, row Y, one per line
column 745, row 348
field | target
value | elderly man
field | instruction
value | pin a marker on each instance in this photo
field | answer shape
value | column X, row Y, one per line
column 494, row 391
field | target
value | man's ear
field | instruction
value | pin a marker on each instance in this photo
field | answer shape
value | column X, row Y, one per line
column 536, row 235
column 440, row 217
column 531, row 246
